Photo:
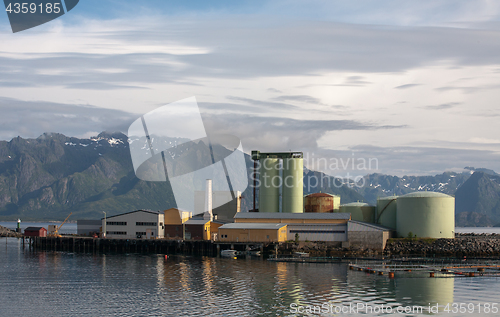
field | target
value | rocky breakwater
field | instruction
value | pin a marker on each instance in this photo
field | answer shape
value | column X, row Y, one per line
column 324, row 249
column 6, row 232
column 462, row 245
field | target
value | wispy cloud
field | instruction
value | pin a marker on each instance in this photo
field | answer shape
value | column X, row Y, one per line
column 407, row 86
column 443, row 106
column 33, row 118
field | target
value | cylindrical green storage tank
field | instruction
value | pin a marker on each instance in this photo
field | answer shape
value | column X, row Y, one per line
column 426, row 214
column 293, row 185
column 359, row 211
column 386, row 211
column 269, row 187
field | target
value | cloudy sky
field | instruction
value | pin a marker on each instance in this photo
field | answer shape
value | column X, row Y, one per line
column 412, row 84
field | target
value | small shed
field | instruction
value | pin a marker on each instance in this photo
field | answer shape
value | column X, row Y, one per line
column 35, row 232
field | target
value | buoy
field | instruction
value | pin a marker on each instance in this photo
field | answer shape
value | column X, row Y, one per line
column 166, row 257
column 431, row 274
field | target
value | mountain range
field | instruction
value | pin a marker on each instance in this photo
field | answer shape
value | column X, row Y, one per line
column 48, row 177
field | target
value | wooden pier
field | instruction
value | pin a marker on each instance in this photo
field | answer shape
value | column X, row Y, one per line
column 98, row 245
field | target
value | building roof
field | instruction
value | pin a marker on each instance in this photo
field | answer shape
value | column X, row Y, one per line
column 425, row 194
column 130, row 212
column 355, row 204
column 243, row 225
column 387, row 198
column 34, row 229
column 286, row 215
column 321, row 195
column 196, row 221
column 354, row 225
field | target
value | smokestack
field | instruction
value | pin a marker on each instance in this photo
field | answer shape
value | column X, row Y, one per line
column 208, row 198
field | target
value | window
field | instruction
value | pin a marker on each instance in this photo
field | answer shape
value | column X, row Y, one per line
column 151, row 224
column 140, row 233
column 267, row 237
column 116, row 223
column 117, row 233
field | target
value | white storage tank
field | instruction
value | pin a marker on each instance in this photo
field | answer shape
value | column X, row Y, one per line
column 426, row 215
column 386, row 211
column 359, row 211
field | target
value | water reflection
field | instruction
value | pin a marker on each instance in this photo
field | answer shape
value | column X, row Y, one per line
column 77, row 284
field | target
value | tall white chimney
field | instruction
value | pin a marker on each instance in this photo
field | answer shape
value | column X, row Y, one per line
column 208, row 198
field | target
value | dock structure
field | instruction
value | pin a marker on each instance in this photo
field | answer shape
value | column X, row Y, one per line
column 98, row 245
column 160, row 246
column 391, row 268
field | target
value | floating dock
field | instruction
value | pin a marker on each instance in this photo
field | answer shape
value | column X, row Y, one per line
column 470, row 268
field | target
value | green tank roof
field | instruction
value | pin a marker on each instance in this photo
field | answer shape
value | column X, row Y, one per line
column 355, row 204
column 425, row 194
column 387, row 198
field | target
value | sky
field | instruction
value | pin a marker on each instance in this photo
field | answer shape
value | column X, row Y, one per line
column 410, row 85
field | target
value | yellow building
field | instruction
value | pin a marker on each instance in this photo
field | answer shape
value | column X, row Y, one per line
column 253, row 232
column 174, row 216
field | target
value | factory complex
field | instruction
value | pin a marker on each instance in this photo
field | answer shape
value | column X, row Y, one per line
column 285, row 214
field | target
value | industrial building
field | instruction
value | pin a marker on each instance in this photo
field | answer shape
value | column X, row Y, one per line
column 367, row 235
column 174, row 220
column 139, row 224
column 86, row 227
column 308, row 226
column 203, row 226
column 253, row 232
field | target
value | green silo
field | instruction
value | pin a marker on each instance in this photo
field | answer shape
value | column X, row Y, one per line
column 293, row 185
column 359, row 211
column 386, row 211
column 426, row 214
column 269, row 185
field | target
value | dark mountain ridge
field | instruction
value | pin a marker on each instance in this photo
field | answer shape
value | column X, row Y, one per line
column 48, row 177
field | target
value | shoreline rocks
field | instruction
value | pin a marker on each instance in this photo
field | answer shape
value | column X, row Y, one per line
column 6, row 232
column 462, row 245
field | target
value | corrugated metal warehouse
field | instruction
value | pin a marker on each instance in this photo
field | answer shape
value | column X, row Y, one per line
column 368, row 235
column 318, row 232
column 309, row 226
column 84, row 227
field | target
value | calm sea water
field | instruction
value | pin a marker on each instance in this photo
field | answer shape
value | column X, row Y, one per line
column 77, row 284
